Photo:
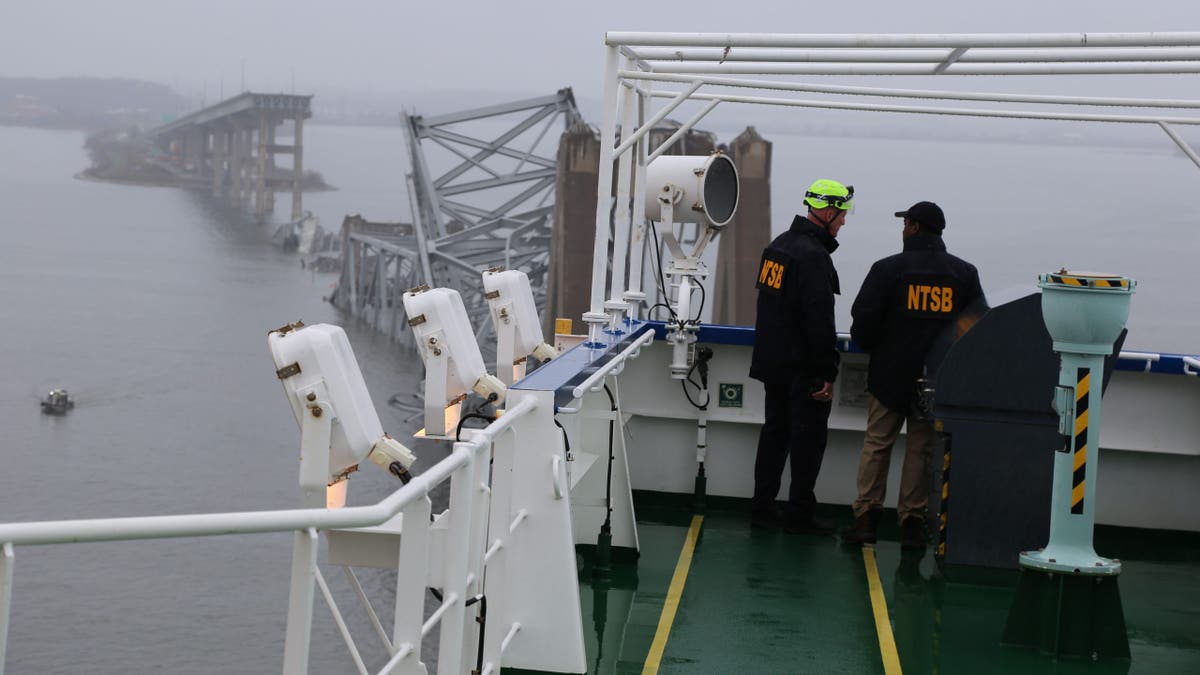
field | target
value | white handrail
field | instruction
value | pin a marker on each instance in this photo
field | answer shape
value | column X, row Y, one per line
column 249, row 522
column 930, row 55
column 1149, row 358
column 935, row 110
column 894, row 92
column 1066, row 68
column 603, row 371
column 885, row 40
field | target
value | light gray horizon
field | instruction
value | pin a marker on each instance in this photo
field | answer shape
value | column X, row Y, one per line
column 472, row 45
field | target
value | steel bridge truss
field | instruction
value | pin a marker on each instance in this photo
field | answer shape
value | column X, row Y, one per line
column 481, row 190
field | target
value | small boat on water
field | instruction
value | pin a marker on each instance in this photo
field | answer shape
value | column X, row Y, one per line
column 57, row 402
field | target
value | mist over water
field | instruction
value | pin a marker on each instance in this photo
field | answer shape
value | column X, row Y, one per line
column 152, row 306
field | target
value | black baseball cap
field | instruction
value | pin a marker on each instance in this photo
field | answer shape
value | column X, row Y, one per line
column 928, row 214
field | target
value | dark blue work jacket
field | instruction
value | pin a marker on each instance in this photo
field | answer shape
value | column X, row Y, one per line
column 794, row 332
column 903, row 304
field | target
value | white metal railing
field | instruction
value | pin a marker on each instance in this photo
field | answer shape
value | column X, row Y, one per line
column 1138, row 41
column 698, row 63
column 459, row 467
column 893, row 92
column 613, row 366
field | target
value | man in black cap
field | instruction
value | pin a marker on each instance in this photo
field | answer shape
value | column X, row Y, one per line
column 905, row 301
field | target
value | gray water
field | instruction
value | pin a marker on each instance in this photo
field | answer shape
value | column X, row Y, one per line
column 152, row 306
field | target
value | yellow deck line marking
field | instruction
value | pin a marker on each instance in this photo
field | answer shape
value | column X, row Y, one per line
column 674, row 592
column 883, row 626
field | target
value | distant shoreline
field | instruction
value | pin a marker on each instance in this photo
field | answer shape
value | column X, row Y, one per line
column 87, row 175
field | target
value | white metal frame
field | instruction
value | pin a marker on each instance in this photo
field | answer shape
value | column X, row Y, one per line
column 509, row 535
column 713, row 67
column 465, row 468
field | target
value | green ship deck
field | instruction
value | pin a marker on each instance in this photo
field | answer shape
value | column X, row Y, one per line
column 762, row 601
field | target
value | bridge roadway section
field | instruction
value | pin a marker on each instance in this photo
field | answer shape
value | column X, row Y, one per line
column 232, row 145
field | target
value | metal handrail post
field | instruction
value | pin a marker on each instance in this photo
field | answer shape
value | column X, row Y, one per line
column 615, row 305
column 6, row 583
column 451, row 647
column 595, row 316
column 300, row 603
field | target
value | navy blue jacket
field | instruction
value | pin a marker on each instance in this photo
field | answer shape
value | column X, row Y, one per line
column 794, row 332
column 904, row 303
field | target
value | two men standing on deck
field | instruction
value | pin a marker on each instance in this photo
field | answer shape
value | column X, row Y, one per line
column 904, row 303
column 796, row 357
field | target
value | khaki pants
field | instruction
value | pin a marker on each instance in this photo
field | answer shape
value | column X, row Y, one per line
column 883, row 427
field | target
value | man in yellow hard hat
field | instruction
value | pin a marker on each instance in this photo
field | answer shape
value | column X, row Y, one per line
column 796, row 358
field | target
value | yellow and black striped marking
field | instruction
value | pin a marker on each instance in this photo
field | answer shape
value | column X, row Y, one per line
column 1083, row 385
column 941, row 547
column 1085, row 282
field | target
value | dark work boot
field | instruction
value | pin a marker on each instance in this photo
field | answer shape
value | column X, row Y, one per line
column 912, row 533
column 865, row 528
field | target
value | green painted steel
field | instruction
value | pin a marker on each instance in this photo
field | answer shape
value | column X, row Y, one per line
column 764, row 603
column 800, row 599
column 1068, row 615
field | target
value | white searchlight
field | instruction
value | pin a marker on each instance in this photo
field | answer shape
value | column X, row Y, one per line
column 515, row 317
column 338, row 423
column 697, row 188
column 700, row 189
column 453, row 364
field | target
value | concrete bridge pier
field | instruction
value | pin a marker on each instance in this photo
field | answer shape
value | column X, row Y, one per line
column 219, row 151
column 297, row 166
column 270, row 194
column 231, row 147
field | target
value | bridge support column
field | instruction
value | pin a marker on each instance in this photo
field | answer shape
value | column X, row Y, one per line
column 297, row 166
column 260, row 178
column 196, row 139
column 237, row 147
column 219, row 139
column 270, row 187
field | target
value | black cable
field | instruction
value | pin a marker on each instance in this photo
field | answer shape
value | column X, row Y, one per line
column 657, row 305
column 699, row 387
column 659, row 279
column 612, row 404
column 481, row 620
column 703, row 299
column 707, row 396
column 566, row 441
column 458, row 429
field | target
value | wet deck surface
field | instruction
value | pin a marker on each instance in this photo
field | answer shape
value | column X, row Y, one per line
column 761, row 601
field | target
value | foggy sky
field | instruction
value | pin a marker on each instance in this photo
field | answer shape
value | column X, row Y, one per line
column 514, row 45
